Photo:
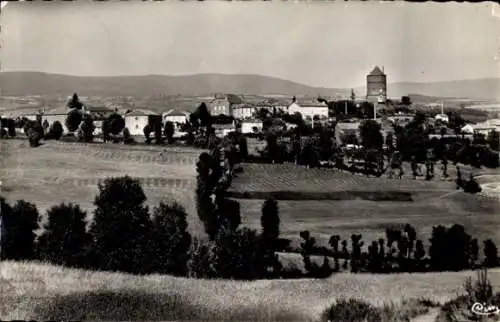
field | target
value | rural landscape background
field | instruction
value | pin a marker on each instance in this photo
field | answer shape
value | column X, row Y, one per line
column 156, row 172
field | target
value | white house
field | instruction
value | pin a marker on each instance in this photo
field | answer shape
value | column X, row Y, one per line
column 487, row 126
column 136, row 120
column 247, row 126
column 442, row 117
column 243, row 111
column 308, row 110
column 467, row 129
column 176, row 117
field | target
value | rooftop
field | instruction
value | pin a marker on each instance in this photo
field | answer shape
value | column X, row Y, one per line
column 141, row 112
column 176, row 113
column 376, row 72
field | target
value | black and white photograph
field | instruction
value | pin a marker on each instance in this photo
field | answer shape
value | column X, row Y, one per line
column 249, row 161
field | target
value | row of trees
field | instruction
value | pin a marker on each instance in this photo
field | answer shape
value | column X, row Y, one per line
column 451, row 249
column 124, row 235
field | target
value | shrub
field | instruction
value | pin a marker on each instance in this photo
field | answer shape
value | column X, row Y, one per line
column 371, row 135
column 19, row 224
column 490, row 254
column 198, row 265
column 106, row 130
column 87, row 129
column 493, row 140
column 158, row 133
column 352, row 310
column 171, row 241
column 450, row 248
column 73, row 120
column 55, row 131
column 359, row 311
column 64, row 239
column 237, row 254
column 228, row 213
column 270, row 220
column 147, row 132
column 243, row 147
column 480, row 291
column 121, row 222
column 34, row 131
column 169, row 132
column 127, row 138
column 115, row 123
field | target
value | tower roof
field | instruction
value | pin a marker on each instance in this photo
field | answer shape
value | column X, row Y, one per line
column 376, row 72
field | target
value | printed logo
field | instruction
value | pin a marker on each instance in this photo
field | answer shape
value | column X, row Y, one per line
column 483, row 309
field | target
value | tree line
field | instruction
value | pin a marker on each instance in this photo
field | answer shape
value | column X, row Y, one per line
column 125, row 235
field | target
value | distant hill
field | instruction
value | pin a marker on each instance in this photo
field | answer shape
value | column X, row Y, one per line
column 33, row 83
column 485, row 88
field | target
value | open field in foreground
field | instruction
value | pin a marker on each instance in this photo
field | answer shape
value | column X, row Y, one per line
column 37, row 291
column 67, row 172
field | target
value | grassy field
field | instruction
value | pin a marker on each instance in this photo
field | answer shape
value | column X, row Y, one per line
column 434, row 203
column 42, row 292
column 65, row 172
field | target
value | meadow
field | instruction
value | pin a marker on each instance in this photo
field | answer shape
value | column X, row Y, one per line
column 33, row 291
column 59, row 172
column 433, row 203
column 69, row 172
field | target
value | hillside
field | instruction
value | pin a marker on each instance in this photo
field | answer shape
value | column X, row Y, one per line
column 32, row 291
column 32, row 83
column 23, row 83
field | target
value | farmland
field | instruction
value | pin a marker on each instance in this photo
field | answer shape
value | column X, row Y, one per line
column 62, row 172
column 434, row 203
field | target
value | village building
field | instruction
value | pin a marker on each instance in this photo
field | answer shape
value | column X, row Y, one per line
column 486, row 127
column 137, row 120
column 221, row 130
column 176, row 117
column 249, row 126
column 309, row 111
column 243, row 111
column 223, row 103
column 345, row 128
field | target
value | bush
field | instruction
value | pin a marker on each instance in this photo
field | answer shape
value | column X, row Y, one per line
column 127, row 138
column 34, row 132
column 352, row 310
column 64, row 239
column 19, row 224
column 115, row 123
column 490, row 254
column 169, row 132
column 121, row 222
column 147, row 132
column 450, row 248
column 158, row 133
column 371, row 135
column 171, row 241
column 87, row 129
column 198, row 265
column 73, row 120
column 55, row 131
column 480, row 291
column 355, row 310
column 236, row 255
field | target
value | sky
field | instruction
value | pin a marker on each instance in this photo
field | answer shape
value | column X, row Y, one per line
column 326, row 44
